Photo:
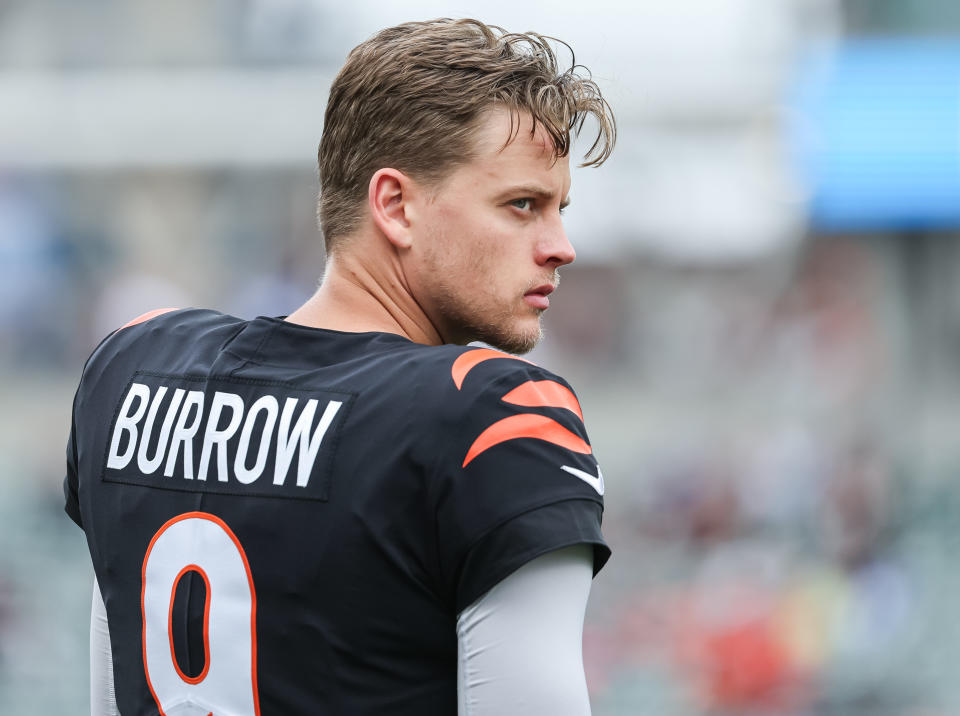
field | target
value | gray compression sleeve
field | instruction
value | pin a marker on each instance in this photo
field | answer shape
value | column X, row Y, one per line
column 103, row 701
column 520, row 646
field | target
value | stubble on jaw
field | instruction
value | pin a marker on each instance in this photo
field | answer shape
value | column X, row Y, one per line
column 464, row 317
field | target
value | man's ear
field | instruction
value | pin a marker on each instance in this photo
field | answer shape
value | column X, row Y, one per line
column 388, row 198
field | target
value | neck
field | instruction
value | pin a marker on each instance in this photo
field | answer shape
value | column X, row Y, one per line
column 359, row 295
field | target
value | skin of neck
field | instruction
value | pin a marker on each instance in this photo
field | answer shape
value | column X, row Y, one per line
column 364, row 289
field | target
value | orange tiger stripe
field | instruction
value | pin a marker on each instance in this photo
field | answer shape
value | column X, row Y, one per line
column 544, row 394
column 469, row 360
column 146, row 317
column 526, row 425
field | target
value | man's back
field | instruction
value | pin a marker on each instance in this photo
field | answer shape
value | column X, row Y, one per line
column 289, row 520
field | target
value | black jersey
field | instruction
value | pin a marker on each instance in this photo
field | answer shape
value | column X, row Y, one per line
column 286, row 520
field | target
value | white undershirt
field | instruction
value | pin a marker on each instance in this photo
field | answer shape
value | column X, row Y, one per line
column 103, row 701
column 521, row 644
column 520, row 648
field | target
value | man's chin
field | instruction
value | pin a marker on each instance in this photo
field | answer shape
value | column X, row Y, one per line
column 517, row 335
column 518, row 342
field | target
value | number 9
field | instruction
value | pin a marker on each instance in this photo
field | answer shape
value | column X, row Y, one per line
column 228, row 683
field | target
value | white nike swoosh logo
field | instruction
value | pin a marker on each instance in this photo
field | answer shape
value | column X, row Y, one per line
column 595, row 481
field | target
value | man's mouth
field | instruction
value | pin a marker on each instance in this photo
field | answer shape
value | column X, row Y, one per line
column 537, row 297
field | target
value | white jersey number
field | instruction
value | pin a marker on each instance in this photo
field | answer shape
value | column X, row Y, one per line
column 227, row 686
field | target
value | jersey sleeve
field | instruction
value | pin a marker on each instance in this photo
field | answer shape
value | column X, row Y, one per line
column 71, row 481
column 516, row 478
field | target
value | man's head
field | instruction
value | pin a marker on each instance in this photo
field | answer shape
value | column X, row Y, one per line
column 411, row 98
column 451, row 139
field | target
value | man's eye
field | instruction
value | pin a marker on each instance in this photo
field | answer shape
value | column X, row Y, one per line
column 522, row 204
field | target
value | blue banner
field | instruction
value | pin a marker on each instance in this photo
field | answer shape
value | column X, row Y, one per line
column 876, row 134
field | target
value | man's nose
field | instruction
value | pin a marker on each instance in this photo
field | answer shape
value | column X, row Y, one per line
column 554, row 247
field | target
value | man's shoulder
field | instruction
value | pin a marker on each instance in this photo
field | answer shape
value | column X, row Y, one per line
column 160, row 328
column 470, row 389
column 475, row 380
column 155, row 340
column 472, row 371
column 163, row 322
column 481, row 368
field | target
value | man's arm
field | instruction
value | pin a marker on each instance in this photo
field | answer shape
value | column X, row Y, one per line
column 103, row 701
column 520, row 646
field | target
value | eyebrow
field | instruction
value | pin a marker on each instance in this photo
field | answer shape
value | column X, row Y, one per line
column 535, row 191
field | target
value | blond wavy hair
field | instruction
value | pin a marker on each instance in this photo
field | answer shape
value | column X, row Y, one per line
column 411, row 98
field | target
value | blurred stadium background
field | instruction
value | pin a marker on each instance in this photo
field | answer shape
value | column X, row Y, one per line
column 763, row 323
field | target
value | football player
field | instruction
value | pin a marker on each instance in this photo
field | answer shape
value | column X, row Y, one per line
column 349, row 510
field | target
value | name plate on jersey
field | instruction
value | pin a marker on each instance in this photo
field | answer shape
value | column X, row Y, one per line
column 225, row 435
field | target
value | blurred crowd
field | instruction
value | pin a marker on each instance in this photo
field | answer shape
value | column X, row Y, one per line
column 783, row 500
